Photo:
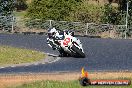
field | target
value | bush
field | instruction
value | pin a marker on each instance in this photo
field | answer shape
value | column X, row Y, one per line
column 111, row 15
column 89, row 12
column 21, row 5
column 6, row 7
column 77, row 10
column 52, row 9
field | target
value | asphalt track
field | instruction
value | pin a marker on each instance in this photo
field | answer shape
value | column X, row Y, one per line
column 101, row 54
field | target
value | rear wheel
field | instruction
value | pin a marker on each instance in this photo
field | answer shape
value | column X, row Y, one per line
column 79, row 53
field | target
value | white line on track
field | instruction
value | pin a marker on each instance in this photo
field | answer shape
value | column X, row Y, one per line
column 2, row 67
column 52, row 55
column 27, row 65
column 36, row 63
column 13, row 66
column 58, row 58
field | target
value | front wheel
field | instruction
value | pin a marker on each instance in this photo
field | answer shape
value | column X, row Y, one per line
column 79, row 53
column 63, row 53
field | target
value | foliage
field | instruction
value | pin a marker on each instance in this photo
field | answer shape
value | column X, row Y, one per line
column 78, row 10
column 123, row 4
column 21, row 5
column 52, row 9
column 111, row 15
column 20, row 14
column 6, row 7
column 123, row 10
column 88, row 12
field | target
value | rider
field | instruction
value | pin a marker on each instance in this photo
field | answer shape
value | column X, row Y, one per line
column 54, row 35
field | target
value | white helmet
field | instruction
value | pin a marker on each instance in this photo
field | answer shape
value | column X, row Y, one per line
column 52, row 32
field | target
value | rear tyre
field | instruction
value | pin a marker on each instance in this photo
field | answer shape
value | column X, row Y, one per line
column 79, row 53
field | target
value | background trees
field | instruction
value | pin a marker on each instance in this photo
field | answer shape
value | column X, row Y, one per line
column 52, row 9
column 69, row 10
column 87, row 13
column 76, row 10
column 21, row 5
column 6, row 7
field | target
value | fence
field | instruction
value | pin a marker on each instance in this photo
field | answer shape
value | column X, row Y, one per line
column 82, row 29
column 7, row 23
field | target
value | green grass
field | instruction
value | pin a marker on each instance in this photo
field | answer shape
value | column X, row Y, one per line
column 12, row 55
column 20, row 14
column 57, row 84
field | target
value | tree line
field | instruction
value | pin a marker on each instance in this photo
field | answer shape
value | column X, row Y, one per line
column 69, row 10
column 8, row 6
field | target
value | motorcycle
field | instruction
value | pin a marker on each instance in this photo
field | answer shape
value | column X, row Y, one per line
column 70, row 46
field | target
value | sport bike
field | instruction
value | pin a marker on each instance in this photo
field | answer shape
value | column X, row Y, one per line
column 69, row 46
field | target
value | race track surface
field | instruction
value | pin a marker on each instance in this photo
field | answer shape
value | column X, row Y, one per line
column 101, row 54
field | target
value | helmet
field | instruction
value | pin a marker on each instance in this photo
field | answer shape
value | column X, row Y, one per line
column 52, row 32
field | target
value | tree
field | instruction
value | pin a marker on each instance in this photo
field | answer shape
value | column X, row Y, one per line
column 122, row 5
column 52, row 9
column 6, row 7
column 21, row 5
column 88, row 12
column 111, row 15
column 123, row 10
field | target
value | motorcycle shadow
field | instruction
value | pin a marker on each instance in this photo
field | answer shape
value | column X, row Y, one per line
column 74, row 56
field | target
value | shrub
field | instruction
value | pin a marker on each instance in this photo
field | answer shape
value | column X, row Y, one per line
column 21, row 5
column 51, row 9
column 89, row 12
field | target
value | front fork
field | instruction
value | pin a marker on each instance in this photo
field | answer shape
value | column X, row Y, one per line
column 78, row 45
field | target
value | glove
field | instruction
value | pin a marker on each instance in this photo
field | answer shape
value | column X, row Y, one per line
column 53, row 47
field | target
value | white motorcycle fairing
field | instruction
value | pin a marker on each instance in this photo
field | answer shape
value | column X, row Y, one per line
column 72, row 46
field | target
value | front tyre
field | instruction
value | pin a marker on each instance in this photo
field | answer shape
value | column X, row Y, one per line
column 63, row 53
column 78, row 53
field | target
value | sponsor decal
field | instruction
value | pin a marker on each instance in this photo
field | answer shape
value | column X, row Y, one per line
column 85, row 81
column 66, row 41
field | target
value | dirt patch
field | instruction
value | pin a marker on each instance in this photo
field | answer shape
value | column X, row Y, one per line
column 18, row 79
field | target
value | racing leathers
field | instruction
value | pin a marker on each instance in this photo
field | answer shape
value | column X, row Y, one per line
column 53, row 41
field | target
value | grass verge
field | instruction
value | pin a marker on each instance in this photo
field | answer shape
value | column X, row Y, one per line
column 59, row 80
column 20, row 14
column 12, row 55
column 58, row 84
